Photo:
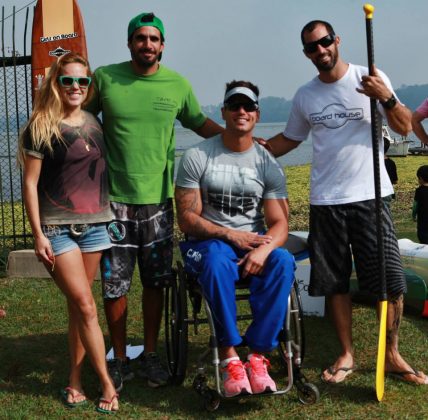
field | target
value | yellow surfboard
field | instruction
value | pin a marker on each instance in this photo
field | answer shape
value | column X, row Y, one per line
column 57, row 29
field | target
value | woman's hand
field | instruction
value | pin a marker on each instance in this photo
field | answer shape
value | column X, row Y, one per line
column 43, row 250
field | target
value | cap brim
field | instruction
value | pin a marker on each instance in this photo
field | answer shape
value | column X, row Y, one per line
column 240, row 90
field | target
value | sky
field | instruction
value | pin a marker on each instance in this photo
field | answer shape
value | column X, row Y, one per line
column 212, row 42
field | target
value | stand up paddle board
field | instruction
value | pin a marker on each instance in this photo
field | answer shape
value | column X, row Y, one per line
column 57, row 30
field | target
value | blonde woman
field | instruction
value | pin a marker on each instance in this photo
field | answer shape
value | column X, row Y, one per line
column 66, row 196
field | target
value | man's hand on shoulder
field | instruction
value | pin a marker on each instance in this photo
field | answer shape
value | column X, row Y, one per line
column 280, row 145
column 208, row 129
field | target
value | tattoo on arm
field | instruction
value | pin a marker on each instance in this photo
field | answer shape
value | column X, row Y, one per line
column 189, row 209
column 187, row 199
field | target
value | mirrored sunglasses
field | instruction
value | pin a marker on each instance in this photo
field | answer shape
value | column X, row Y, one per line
column 325, row 42
column 236, row 106
column 68, row 81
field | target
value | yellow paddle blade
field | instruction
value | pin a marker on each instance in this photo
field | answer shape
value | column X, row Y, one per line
column 381, row 349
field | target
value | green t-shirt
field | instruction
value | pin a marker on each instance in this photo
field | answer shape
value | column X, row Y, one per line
column 138, row 114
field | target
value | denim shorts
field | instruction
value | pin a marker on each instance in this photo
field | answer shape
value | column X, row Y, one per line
column 88, row 237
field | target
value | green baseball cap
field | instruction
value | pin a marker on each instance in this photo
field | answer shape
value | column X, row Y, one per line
column 145, row 19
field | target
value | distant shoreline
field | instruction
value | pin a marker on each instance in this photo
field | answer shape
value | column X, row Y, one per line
column 275, row 109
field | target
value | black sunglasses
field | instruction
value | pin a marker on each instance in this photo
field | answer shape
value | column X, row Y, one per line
column 325, row 42
column 236, row 106
column 68, row 81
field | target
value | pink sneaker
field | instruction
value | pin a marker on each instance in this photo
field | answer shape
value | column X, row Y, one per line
column 235, row 380
column 257, row 374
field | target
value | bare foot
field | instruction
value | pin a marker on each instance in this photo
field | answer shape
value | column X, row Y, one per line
column 2, row 313
column 337, row 372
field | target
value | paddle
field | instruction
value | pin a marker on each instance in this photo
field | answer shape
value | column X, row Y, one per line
column 380, row 364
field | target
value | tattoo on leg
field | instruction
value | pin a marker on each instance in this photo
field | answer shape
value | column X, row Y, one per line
column 395, row 313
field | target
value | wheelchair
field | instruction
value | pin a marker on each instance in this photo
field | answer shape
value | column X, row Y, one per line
column 185, row 289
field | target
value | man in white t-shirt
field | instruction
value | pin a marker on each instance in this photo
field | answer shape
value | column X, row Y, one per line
column 334, row 108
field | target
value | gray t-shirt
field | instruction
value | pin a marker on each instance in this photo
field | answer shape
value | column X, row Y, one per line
column 233, row 184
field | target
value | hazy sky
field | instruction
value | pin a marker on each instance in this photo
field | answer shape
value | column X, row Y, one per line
column 214, row 41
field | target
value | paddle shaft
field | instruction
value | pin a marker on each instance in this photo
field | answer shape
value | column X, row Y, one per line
column 376, row 166
column 381, row 352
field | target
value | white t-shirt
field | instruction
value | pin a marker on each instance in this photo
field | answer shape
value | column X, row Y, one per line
column 339, row 120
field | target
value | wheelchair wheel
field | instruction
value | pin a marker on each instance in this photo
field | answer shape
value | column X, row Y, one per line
column 296, row 334
column 212, row 401
column 210, row 396
column 308, row 393
column 296, row 325
column 176, row 331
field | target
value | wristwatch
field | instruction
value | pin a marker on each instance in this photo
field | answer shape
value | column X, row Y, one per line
column 390, row 103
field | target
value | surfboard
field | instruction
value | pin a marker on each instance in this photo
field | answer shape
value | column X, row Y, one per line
column 57, row 29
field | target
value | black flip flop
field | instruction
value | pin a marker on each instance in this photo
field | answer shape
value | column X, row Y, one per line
column 400, row 376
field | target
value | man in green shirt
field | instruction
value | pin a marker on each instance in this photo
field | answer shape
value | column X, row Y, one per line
column 140, row 101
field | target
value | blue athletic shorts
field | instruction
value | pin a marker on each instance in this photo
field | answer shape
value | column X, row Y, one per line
column 87, row 237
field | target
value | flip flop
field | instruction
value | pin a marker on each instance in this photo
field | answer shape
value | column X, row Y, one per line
column 332, row 371
column 105, row 400
column 69, row 390
column 400, row 376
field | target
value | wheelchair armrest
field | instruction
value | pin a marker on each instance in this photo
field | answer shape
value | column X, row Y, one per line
column 296, row 244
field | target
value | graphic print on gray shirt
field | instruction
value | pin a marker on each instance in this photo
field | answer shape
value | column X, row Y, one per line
column 233, row 184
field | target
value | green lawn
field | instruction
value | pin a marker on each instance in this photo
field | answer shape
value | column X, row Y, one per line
column 34, row 367
column 298, row 187
column 33, row 350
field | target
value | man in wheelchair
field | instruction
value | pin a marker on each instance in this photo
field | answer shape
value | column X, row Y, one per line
column 227, row 189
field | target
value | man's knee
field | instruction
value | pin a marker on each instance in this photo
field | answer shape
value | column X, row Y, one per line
column 116, row 308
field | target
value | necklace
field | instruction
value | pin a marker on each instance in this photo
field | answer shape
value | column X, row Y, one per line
column 87, row 144
column 83, row 137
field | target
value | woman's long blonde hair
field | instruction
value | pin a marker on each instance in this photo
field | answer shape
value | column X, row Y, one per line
column 48, row 111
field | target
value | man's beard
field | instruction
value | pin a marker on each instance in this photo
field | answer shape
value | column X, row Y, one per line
column 142, row 62
column 329, row 65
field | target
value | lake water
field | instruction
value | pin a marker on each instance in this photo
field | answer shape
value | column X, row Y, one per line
column 10, row 180
column 300, row 156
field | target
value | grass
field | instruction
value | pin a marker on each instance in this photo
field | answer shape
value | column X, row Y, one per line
column 34, row 356
column 34, row 367
column 298, row 188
